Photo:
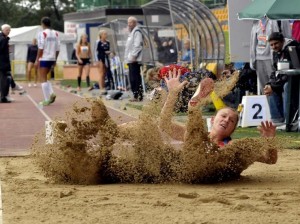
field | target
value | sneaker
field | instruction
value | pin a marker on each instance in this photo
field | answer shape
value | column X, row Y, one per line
column 44, row 103
column 278, row 124
column 281, row 127
column 292, row 127
column 5, row 100
column 10, row 99
column 17, row 88
column 52, row 98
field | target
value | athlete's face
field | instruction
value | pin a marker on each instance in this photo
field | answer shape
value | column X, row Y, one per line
column 224, row 123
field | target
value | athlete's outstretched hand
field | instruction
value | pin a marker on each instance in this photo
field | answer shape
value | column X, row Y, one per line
column 267, row 129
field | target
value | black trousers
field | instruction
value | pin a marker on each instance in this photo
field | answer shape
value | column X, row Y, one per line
column 5, row 79
column 135, row 80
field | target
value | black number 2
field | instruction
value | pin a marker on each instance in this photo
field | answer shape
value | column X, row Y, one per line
column 255, row 116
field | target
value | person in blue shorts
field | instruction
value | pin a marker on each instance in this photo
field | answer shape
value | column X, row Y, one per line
column 48, row 50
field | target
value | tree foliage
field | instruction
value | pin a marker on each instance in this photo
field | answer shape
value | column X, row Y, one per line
column 19, row 13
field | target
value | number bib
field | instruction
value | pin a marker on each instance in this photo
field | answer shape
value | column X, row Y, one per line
column 262, row 41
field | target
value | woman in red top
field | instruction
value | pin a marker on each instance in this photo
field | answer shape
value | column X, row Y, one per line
column 203, row 156
column 223, row 123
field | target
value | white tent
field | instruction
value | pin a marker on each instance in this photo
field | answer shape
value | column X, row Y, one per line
column 21, row 37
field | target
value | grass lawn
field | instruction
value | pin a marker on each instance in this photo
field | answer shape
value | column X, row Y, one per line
column 290, row 140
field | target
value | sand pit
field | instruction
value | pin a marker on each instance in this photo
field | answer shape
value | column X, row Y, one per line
column 264, row 194
column 50, row 185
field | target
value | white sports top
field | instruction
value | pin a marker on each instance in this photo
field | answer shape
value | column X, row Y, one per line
column 48, row 41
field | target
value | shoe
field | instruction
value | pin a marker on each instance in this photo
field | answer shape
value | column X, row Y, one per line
column 17, row 88
column 29, row 85
column 293, row 127
column 5, row 100
column 10, row 99
column 44, row 103
column 278, row 124
column 78, row 89
column 281, row 127
column 34, row 85
column 91, row 88
column 52, row 98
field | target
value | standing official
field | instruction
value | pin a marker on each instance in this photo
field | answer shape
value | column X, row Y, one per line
column 133, row 57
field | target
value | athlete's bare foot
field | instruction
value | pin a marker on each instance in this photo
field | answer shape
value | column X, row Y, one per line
column 205, row 87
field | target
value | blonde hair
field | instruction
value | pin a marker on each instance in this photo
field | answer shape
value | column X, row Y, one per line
column 82, row 35
column 101, row 32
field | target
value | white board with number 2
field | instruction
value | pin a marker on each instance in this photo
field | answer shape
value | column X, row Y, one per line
column 255, row 110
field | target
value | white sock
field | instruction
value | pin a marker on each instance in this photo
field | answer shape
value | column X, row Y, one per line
column 50, row 88
column 45, row 90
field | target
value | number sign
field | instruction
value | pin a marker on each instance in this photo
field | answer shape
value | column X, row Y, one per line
column 255, row 110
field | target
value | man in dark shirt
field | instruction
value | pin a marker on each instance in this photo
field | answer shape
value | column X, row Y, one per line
column 5, row 68
column 276, row 88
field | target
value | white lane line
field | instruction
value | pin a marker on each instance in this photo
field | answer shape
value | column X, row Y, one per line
column 37, row 106
column 1, row 209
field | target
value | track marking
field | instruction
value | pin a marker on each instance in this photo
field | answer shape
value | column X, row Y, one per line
column 37, row 106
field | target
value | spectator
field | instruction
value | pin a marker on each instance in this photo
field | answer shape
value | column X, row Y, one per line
column 172, row 51
column 5, row 68
column 260, row 53
column 102, row 57
column 48, row 50
column 115, row 67
column 276, row 87
column 133, row 57
column 31, row 57
column 166, row 49
column 189, row 53
column 83, row 55
column 296, row 30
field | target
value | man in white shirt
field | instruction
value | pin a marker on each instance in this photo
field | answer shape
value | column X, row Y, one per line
column 48, row 50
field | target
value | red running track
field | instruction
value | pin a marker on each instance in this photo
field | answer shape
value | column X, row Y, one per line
column 22, row 119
